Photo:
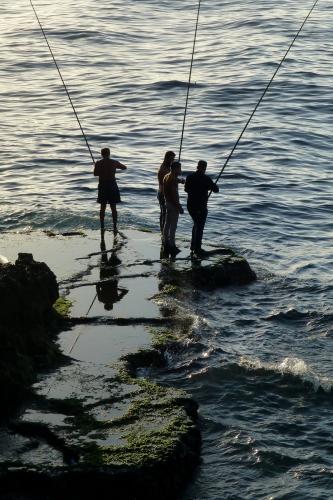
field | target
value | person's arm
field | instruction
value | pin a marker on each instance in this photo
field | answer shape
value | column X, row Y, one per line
column 186, row 185
column 123, row 291
column 96, row 169
column 213, row 187
column 120, row 166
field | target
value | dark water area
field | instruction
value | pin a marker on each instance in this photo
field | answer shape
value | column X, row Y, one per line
column 260, row 361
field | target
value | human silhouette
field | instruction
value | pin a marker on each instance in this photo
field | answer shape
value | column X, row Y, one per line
column 197, row 186
column 108, row 192
column 108, row 291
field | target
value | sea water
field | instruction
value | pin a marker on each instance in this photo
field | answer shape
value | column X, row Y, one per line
column 260, row 361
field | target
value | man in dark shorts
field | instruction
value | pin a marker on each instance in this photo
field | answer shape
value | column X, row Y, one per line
column 108, row 191
column 197, row 186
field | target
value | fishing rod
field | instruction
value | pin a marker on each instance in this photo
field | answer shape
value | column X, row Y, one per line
column 189, row 80
column 263, row 94
column 63, row 82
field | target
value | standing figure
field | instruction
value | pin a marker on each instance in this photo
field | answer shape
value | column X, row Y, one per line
column 108, row 191
column 197, row 186
column 163, row 170
column 173, row 208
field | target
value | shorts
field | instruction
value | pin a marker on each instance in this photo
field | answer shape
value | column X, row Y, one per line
column 108, row 192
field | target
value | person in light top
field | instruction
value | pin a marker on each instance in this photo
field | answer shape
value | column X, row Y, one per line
column 173, row 208
column 163, row 170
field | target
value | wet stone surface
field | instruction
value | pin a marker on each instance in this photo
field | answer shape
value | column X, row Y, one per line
column 91, row 422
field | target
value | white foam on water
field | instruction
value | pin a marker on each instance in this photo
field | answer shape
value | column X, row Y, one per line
column 292, row 366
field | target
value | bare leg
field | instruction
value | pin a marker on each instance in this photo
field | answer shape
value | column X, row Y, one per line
column 114, row 218
column 102, row 215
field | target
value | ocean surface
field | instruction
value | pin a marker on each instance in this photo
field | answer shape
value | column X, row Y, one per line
column 260, row 361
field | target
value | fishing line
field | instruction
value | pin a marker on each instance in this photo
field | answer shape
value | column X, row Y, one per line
column 68, row 352
column 264, row 93
column 115, row 248
column 63, row 82
column 80, row 329
column 189, row 80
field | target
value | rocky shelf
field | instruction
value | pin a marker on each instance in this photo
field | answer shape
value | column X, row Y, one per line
column 90, row 425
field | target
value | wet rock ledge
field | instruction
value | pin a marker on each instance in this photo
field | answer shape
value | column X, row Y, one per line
column 93, row 424
column 85, row 429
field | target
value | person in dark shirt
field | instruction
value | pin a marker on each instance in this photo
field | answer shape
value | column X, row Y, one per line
column 197, row 187
column 108, row 192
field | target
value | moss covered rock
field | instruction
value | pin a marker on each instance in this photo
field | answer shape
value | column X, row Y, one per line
column 140, row 441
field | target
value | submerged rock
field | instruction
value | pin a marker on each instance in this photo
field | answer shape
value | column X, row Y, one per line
column 224, row 269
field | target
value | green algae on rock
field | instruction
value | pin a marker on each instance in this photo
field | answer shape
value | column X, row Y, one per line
column 154, row 425
column 164, row 338
column 140, row 441
column 63, row 306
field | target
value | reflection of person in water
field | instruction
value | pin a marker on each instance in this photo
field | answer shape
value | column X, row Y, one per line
column 108, row 292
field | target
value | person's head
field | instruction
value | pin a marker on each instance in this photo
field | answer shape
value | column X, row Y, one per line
column 168, row 158
column 176, row 167
column 202, row 165
column 105, row 152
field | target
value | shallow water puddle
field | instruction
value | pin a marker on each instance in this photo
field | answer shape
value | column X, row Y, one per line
column 127, row 298
column 88, row 382
column 104, row 344
column 58, row 252
column 48, row 418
